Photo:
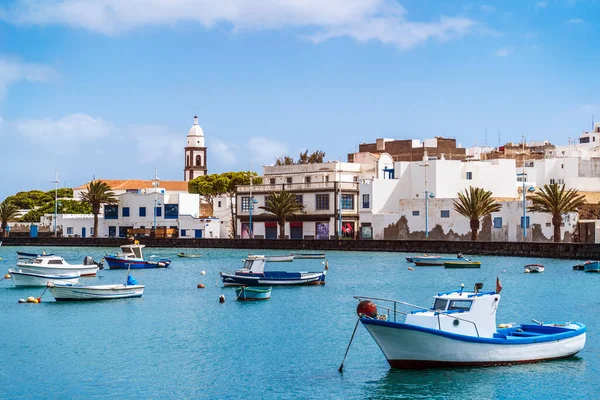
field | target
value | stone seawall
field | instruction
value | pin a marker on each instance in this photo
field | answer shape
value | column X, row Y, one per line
column 582, row 251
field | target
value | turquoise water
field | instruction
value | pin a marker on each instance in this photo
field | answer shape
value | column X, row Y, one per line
column 179, row 342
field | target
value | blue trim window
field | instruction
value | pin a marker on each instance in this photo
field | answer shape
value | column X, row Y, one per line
column 498, row 222
column 322, row 201
column 415, row 213
column 142, row 211
column 347, row 202
column 183, row 232
column 445, row 214
column 469, row 176
column 463, row 305
column 366, row 201
column 299, row 199
column 111, row 211
column 171, row 211
column 158, row 211
column 69, row 230
column 526, row 222
column 126, row 211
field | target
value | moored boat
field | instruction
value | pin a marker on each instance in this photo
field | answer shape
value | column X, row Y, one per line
column 459, row 331
column 63, row 292
column 253, row 274
column 434, row 261
column 579, row 267
column 54, row 265
column 464, row 263
column 189, row 255
column 282, row 258
column 591, row 266
column 534, row 268
column 131, row 256
column 246, row 293
column 308, row 255
column 23, row 254
column 23, row 278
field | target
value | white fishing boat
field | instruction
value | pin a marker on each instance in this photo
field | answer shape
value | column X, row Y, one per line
column 308, row 255
column 283, row 258
column 534, row 268
column 460, row 330
column 253, row 274
column 55, row 265
column 23, row 278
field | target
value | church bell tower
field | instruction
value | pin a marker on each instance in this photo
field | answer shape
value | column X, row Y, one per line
column 195, row 153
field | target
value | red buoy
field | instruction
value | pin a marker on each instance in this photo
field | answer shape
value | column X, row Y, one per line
column 201, row 286
column 366, row 308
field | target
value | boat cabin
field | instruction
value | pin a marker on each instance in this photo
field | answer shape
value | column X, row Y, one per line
column 48, row 260
column 253, row 265
column 460, row 312
column 132, row 251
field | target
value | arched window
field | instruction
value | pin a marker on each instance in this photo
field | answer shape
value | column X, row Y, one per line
column 198, row 160
column 191, row 175
column 188, row 160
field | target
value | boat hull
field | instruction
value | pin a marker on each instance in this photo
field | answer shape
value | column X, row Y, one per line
column 83, row 270
column 308, row 256
column 22, row 278
column 462, row 264
column 120, row 263
column 593, row 266
column 248, row 293
column 99, row 292
column 274, row 278
column 411, row 347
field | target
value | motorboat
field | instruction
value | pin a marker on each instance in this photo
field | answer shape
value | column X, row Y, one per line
column 23, row 254
column 253, row 274
column 55, row 265
column 579, row 267
column 246, row 293
column 189, row 255
column 282, row 258
column 308, row 255
column 464, row 263
column 22, row 278
column 460, row 330
column 534, row 268
column 434, row 261
column 591, row 266
column 131, row 256
column 62, row 291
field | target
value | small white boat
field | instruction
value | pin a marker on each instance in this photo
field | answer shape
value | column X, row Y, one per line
column 534, row 268
column 308, row 255
column 63, row 292
column 54, row 265
column 22, row 278
column 286, row 258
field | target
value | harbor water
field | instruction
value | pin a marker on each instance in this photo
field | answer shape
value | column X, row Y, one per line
column 178, row 341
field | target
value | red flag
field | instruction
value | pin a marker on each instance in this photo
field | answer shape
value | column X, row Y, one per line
column 498, row 285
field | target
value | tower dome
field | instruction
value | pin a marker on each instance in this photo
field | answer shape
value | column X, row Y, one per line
column 195, row 136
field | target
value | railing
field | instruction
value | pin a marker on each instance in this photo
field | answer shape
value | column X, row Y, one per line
column 293, row 187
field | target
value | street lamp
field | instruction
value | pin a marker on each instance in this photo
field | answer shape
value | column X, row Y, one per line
column 155, row 183
column 524, row 194
column 56, row 182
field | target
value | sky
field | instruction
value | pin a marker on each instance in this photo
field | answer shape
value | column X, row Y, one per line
column 109, row 88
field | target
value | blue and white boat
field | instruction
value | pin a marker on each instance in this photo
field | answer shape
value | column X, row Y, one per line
column 591, row 266
column 434, row 261
column 253, row 274
column 460, row 330
column 246, row 293
column 131, row 256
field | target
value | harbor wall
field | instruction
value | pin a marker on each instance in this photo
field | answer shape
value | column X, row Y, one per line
column 582, row 251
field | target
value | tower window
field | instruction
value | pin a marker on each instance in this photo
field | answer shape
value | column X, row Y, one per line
column 198, row 160
column 187, row 162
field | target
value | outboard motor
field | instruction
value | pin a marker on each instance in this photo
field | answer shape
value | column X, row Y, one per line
column 88, row 260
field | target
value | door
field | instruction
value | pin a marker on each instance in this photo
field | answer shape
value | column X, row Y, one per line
column 198, row 233
column 112, row 231
column 296, row 230
column 83, row 232
column 271, row 232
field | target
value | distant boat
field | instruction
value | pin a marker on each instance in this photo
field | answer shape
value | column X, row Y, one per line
column 22, row 254
column 534, row 268
column 253, row 274
column 246, row 293
column 308, row 255
column 22, row 278
column 131, row 257
column 434, row 261
column 591, row 266
column 579, row 267
column 286, row 258
column 189, row 255
column 462, row 264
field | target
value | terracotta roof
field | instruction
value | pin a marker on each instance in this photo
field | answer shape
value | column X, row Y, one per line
column 181, row 186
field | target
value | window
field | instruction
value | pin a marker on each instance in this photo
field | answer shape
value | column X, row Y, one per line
column 245, row 203
column 355, row 178
column 498, row 222
column 548, row 224
column 272, row 181
column 69, row 230
column 299, row 199
column 198, row 160
column 187, row 162
column 347, row 202
column 528, row 164
column 469, row 176
column 219, row 204
column 552, row 181
column 445, row 214
column 326, row 178
column 561, row 181
column 415, row 213
column 142, row 211
column 171, row 211
column 584, row 140
column 322, row 201
column 463, row 305
column 135, row 191
column 288, row 179
column 526, row 222
column 366, row 202
column 92, row 231
column 111, row 211
column 307, row 179
column 126, row 211
column 440, row 304
column 184, row 232
column 562, row 166
column 158, row 211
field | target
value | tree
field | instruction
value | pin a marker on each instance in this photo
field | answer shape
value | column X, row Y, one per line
column 283, row 205
column 474, row 204
column 316, row 157
column 304, row 158
column 96, row 194
column 64, row 207
column 209, row 186
column 286, row 160
column 8, row 212
column 554, row 200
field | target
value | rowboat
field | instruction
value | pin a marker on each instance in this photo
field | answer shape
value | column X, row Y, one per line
column 591, row 266
column 462, row 264
column 253, row 274
column 131, row 257
column 63, row 292
column 189, row 255
column 284, row 258
column 308, row 255
column 22, row 254
column 246, row 293
column 460, row 330
column 534, row 268
column 434, row 261
column 55, row 265
column 22, row 278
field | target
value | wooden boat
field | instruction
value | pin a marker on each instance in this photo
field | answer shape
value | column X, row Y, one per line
column 22, row 278
column 308, row 255
column 189, row 255
column 63, row 292
column 246, row 293
column 54, row 265
column 460, row 330
column 131, row 256
column 253, row 274
column 462, row 264
column 534, row 268
column 591, row 266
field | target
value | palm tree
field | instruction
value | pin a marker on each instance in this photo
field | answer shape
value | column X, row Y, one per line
column 8, row 211
column 554, row 200
column 96, row 194
column 475, row 204
column 283, row 205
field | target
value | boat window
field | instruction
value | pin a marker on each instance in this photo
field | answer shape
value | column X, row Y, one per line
column 55, row 262
column 248, row 264
column 464, row 305
column 440, row 304
column 137, row 252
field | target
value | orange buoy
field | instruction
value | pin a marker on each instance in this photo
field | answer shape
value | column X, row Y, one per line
column 201, row 286
column 411, row 269
column 39, row 299
column 7, row 276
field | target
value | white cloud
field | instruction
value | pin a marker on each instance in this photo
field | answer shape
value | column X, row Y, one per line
column 575, row 21
column 487, row 8
column 13, row 70
column 541, row 4
column 504, row 51
column 382, row 20
column 227, row 152
column 264, row 151
column 74, row 127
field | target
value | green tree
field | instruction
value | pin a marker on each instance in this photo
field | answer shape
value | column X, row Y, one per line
column 283, row 205
column 554, row 200
column 316, row 157
column 96, row 194
column 475, row 204
column 285, row 160
column 8, row 212
column 304, row 158
column 65, row 206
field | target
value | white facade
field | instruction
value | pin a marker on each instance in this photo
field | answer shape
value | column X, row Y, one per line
column 582, row 174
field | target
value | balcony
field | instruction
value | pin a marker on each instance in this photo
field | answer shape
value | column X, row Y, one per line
column 299, row 187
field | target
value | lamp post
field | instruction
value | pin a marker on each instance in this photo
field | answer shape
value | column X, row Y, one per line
column 56, row 182
column 155, row 183
column 524, row 194
column 425, row 164
column 251, row 207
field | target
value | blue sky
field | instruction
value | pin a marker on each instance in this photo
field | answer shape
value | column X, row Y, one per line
column 108, row 88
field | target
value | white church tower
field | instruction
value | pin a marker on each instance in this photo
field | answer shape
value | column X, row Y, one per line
column 195, row 153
